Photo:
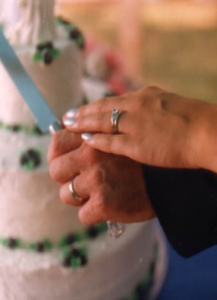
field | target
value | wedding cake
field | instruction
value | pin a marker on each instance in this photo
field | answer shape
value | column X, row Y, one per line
column 45, row 252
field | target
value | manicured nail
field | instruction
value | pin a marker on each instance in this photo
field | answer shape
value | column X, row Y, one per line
column 69, row 121
column 71, row 113
column 86, row 136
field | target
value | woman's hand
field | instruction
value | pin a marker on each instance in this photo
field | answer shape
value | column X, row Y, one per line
column 156, row 127
column 113, row 187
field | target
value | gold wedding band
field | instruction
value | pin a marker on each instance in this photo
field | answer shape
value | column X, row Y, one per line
column 115, row 114
column 73, row 192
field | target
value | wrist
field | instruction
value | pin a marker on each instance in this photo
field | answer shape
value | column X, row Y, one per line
column 204, row 137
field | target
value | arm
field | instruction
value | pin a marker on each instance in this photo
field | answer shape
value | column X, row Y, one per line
column 185, row 202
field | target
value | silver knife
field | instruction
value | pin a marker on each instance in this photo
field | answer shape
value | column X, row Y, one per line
column 44, row 116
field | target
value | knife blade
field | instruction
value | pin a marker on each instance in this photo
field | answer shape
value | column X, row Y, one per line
column 41, row 111
column 44, row 116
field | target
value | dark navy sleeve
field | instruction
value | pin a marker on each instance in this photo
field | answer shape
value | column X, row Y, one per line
column 185, row 202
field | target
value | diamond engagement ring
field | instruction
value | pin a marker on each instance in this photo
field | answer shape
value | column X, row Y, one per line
column 72, row 191
column 114, row 119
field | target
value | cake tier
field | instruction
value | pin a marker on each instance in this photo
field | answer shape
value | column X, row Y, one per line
column 114, row 268
column 59, row 83
column 30, row 206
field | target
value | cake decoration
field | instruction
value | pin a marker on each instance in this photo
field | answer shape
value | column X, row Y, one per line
column 16, row 128
column 63, row 244
column 73, row 32
column 46, row 53
column 74, row 257
column 33, row 26
column 11, row 243
column 30, row 159
column 44, row 248
column 40, row 247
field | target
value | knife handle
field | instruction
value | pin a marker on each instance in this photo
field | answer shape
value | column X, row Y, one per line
column 115, row 230
column 56, row 126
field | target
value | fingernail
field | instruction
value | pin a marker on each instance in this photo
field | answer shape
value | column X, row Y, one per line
column 86, row 136
column 71, row 113
column 69, row 121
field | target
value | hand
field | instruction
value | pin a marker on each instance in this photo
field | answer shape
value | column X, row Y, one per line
column 113, row 186
column 156, row 127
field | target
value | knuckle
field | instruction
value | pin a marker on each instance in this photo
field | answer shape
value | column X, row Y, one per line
column 101, row 103
column 101, row 120
column 87, row 155
column 98, row 176
column 100, row 208
column 152, row 89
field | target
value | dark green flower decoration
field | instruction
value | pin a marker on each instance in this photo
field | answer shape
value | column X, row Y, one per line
column 40, row 247
column 73, row 32
column 74, row 257
column 30, row 159
column 45, row 52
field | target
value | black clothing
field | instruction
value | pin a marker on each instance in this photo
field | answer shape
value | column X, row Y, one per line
column 185, row 202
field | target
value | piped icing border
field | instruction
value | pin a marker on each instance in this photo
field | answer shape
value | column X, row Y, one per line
column 88, row 233
column 17, row 128
column 71, row 256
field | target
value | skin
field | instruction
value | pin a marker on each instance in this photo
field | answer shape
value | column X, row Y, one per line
column 156, row 127
column 112, row 186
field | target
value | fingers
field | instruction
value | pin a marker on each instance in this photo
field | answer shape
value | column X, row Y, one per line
column 65, row 167
column 80, row 189
column 102, row 105
column 100, row 122
column 89, row 215
column 119, row 144
column 63, row 142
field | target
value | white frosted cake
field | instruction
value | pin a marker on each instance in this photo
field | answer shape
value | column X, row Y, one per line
column 45, row 252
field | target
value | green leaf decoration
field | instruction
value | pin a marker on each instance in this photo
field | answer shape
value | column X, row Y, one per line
column 37, row 56
column 32, row 247
column 75, row 262
column 29, row 166
column 83, row 251
column 80, row 41
column 8, row 127
column 4, row 242
column 48, row 245
column 58, row 21
column 66, row 252
column 19, row 244
column 55, row 52
column 63, row 243
column 78, row 237
column 102, row 227
column 69, row 27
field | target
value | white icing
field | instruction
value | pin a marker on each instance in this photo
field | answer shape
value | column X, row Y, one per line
column 113, row 270
column 36, row 23
column 27, row 211
column 9, row 12
column 59, row 83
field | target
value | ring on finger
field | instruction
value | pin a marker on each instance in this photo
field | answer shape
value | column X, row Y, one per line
column 73, row 192
column 115, row 114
